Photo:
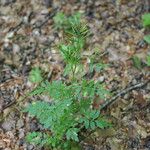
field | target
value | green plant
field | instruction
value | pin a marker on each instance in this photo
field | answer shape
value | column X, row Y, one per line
column 71, row 108
column 137, row 62
column 62, row 21
column 148, row 60
column 146, row 23
column 35, row 75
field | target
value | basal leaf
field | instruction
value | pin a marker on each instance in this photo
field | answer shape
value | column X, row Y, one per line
column 137, row 62
column 146, row 19
column 147, row 38
column 148, row 60
column 35, row 75
column 92, row 125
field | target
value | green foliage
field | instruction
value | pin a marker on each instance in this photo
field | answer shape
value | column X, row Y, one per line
column 146, row 20
column 95, row 64
column 71, row 108
column 72, row 133
column 59, row 20
column 147, row 38
column 35, row 75
column 71, row 104
column 146, row 23
column 76, row 33
column 37, row 138
column 98, row 67
column 148, row 60
column 137, row 62
column 63, row 22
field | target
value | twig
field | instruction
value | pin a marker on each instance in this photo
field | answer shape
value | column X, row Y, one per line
column 16, row 28
column 123, row 92
column 8, row 105
column 104, row 53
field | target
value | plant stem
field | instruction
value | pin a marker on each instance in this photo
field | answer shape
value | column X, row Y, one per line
column 73, row 72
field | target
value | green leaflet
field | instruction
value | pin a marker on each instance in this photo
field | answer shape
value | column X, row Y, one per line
column 146, row 20
column 35, row 75
column 147, row 38
column 72, row 133
column 146, row 23
column 148, row 60
column 137, row 62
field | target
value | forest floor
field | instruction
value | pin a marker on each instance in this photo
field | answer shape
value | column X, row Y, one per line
column 28, row 39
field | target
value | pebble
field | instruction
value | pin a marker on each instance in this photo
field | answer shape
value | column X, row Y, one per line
column 134, row 81
column 30, row 147
column 105, row 14
column 126, row 96
column 16, row 48
column 20, row 123
column 9, row 124
column 101, row 79
column 36, row 32
column 8, row 36
column 21, row 133
column 44, row 12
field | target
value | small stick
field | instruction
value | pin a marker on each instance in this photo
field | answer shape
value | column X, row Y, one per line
column 123, row 92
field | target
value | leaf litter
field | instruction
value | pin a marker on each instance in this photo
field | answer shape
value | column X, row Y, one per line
column 27, row 41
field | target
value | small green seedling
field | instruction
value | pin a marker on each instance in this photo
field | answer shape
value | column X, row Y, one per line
column 137, row 62
column 148, row 60
column 146, row 24
column 35, row 75
column 146, row 20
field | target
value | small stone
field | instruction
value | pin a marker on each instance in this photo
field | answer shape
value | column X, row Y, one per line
column 26, row 19
column 21, row 133
column 36, row 32
column 8, row 124
column 44, row 12
column 16, row 48
column 101, row 79
column 126, row 96
column 51, row 38
column 105, row 14
column 97, row 3
column 20, row 123
column 9, row 35
column 30, row 147
column 134, row 82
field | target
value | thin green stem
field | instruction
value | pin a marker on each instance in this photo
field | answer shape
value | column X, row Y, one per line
column 73, row 72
